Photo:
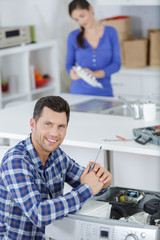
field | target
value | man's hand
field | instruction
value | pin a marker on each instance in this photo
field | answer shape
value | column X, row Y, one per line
column 99, row 178
column 104, row 176
column 92, row 180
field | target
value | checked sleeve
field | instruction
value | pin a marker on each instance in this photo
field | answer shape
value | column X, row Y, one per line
column 19, row 182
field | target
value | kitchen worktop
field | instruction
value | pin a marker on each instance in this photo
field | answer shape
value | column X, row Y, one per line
column 88, row 130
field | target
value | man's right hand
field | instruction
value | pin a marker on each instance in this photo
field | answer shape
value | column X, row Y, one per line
column 92, row 180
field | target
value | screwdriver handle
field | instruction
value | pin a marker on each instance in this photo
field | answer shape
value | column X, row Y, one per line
column 93, row 164
column 91, row 168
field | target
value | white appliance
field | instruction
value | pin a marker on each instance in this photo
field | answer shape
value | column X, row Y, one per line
column 86, row 225
column 78, row 227
column 13, row 36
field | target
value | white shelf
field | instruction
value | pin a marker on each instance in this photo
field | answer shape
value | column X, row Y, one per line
column 17, row 61
column 129, row 2
column 42, row 89
column 6, row 97
column 27, row 47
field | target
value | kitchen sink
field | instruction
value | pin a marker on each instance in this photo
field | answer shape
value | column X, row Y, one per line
column 125, row 111
column 110, row 107
column 121, row 110
column 95, row 105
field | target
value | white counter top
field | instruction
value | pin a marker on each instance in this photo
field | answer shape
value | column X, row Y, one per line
column 86, row 130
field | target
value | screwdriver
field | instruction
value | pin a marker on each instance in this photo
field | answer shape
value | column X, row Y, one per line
column 93, row 164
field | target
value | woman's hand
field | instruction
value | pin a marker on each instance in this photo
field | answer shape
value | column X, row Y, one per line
column 73, row 74
column 96, row 74
column 89, row 71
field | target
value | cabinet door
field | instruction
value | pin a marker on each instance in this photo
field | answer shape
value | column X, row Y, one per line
column 127, row 84
column 133, row 170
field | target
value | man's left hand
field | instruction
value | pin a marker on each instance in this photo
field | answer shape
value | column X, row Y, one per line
column 104, row 176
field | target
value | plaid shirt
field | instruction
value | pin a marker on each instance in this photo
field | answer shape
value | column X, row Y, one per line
column 31, row 195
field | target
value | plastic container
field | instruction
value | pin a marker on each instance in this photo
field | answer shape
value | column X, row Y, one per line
column 96, row 209
column 149, row 112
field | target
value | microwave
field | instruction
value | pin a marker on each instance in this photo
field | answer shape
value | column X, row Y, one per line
column 13, row 36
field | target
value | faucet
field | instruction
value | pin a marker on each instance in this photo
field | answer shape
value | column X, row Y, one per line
column 135, row 110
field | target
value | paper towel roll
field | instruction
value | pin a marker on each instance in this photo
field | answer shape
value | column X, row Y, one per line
column 149, row 111
column 13, row 84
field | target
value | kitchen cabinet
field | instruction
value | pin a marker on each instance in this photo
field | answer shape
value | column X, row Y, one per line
column 137, row 83
column 18, row 63
column 129, row 2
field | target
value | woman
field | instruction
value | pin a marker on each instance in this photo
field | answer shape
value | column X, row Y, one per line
column 94, row 47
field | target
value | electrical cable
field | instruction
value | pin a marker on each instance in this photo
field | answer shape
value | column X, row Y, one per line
column 122, row 203
column 150, row 193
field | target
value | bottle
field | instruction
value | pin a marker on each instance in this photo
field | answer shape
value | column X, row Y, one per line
column 137, row 110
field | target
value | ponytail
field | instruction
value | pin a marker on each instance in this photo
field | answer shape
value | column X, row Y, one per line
column 81, row 4
column 80, row 40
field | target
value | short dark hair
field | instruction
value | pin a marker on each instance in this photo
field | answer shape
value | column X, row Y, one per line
column 55, row 103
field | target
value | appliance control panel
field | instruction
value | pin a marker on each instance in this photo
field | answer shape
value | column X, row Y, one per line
column 98, row 231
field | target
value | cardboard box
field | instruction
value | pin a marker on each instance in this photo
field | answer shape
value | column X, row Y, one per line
column 123, row 36
column 154, row 47
column 121, row 23
column 135, row 53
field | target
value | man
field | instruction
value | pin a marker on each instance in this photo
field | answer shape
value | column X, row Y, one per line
column 32, row 176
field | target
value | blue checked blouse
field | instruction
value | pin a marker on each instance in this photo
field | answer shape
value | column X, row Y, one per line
column 31, row 195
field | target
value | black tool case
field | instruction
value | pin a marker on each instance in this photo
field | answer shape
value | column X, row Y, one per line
column 147, row 134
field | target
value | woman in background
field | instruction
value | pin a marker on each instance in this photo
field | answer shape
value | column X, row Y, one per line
column 94, row 47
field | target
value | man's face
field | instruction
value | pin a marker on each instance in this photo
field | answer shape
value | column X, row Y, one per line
column 48, row 131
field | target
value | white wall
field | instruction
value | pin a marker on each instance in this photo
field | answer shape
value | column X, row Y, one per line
column 51, row 20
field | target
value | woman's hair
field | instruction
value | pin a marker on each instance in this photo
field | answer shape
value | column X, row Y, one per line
column 55, row 103
column 79, row 4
